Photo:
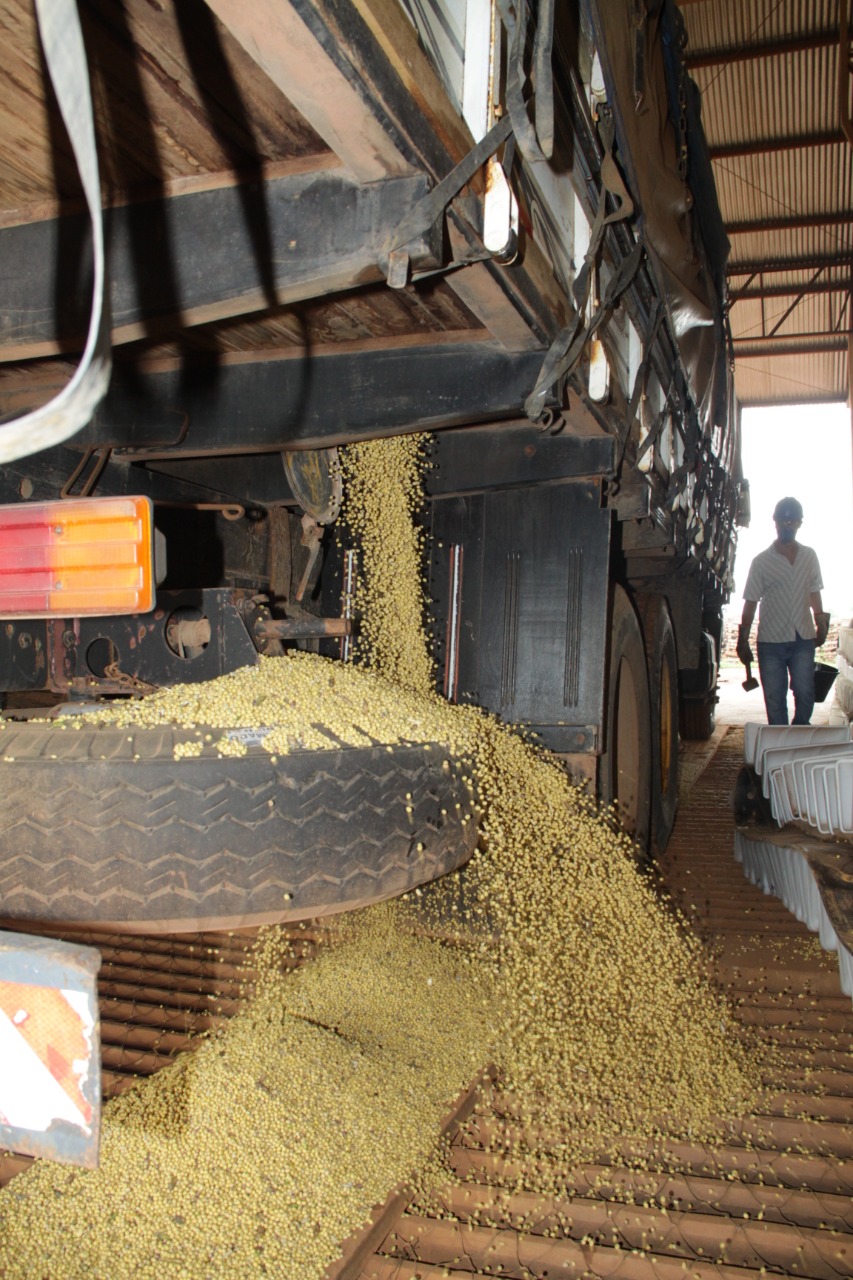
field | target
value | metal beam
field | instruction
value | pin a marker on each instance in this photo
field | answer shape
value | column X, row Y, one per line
column 845, row 71
column 834, row 218
column 324, row 232
column 791, row 290
column 258, row 478
column 473, row 459
column 790, row 309
column 762, row 49
column 759, row 402
column 761, row 146
column 814, row 344
column 44, row 475
column 769, row 266
column 247, row 402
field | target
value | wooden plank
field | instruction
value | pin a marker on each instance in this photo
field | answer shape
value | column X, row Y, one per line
column 274, row 34
column 400, row 44
column 415, row 343
column 11, row 1165
column 220, row 88
column 476, row 286
column 175, row 95
column 474, row 459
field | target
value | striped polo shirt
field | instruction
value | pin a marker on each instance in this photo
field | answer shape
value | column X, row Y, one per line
column 783, row 590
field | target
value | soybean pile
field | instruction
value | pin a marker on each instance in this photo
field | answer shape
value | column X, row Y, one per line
column 257, row 1154
column 558, row 961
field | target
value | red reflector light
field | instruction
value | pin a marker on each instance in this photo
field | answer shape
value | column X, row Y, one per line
column 75, row 558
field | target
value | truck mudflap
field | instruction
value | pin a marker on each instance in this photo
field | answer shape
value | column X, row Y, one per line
column 519, row 581
column 50, row 1054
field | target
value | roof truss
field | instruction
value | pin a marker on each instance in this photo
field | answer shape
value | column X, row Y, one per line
column 748, row 59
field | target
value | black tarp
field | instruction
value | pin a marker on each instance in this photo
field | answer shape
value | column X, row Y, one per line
column 674, row 191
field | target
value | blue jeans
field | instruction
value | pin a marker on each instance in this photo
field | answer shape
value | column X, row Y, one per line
column 774, row 663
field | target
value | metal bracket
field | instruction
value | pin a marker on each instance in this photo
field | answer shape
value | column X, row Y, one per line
column 427, row 211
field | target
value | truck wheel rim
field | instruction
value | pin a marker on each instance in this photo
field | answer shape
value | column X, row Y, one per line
column 627, row 762
column 665, row 727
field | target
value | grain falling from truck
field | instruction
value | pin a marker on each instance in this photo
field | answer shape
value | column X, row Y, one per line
column 384, row 497
column 602, row 985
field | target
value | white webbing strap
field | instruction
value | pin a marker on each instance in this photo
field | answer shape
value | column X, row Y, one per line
column 72, row 408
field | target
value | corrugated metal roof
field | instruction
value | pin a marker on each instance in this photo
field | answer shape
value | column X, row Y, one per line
column 768, row 72
column 813, row 379
column 731, row 23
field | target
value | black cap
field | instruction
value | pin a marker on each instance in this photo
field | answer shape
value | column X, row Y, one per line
column 788, row 509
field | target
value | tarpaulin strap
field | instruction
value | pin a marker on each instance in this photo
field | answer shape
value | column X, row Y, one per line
column 688, row 441
column 640, row 18
column 705, row 473
column 648, row 348
column 536, row 143
column 660, row 421
column 516, row 23
column 654, row 435
column 543, row 101
column 611, row 184
column 729, row 338
column 432, row 206
column 678, row 419
column 567, row 347
column 72, row 408
column 641, row 377
column 565, row 350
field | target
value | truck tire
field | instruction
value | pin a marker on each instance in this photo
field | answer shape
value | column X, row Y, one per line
column 698, row 688
column 662, row 663
column 104, row 826
column 625, row 766
column 697, row 717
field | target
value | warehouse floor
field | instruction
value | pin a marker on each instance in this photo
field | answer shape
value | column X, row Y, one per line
column 773, row 1194
column 737, row 708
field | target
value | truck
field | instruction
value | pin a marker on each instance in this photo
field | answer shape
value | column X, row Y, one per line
column 238, row 237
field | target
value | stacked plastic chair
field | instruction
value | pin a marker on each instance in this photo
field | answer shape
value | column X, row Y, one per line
column 841, row 711
column 806, row 775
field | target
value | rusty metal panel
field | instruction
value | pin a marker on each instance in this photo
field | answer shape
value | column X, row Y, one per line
column 50, row 1064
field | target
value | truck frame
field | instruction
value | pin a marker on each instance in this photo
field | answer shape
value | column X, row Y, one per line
column 493, row 222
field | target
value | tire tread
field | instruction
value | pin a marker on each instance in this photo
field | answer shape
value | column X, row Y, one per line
column 90, row 834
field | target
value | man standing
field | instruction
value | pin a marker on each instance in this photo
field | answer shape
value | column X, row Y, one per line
column 786, row 580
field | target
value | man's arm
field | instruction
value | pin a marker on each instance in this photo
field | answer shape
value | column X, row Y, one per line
column 821, row 619
column 744, row 652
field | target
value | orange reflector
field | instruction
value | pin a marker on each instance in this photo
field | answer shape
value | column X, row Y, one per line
column 75, row 558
